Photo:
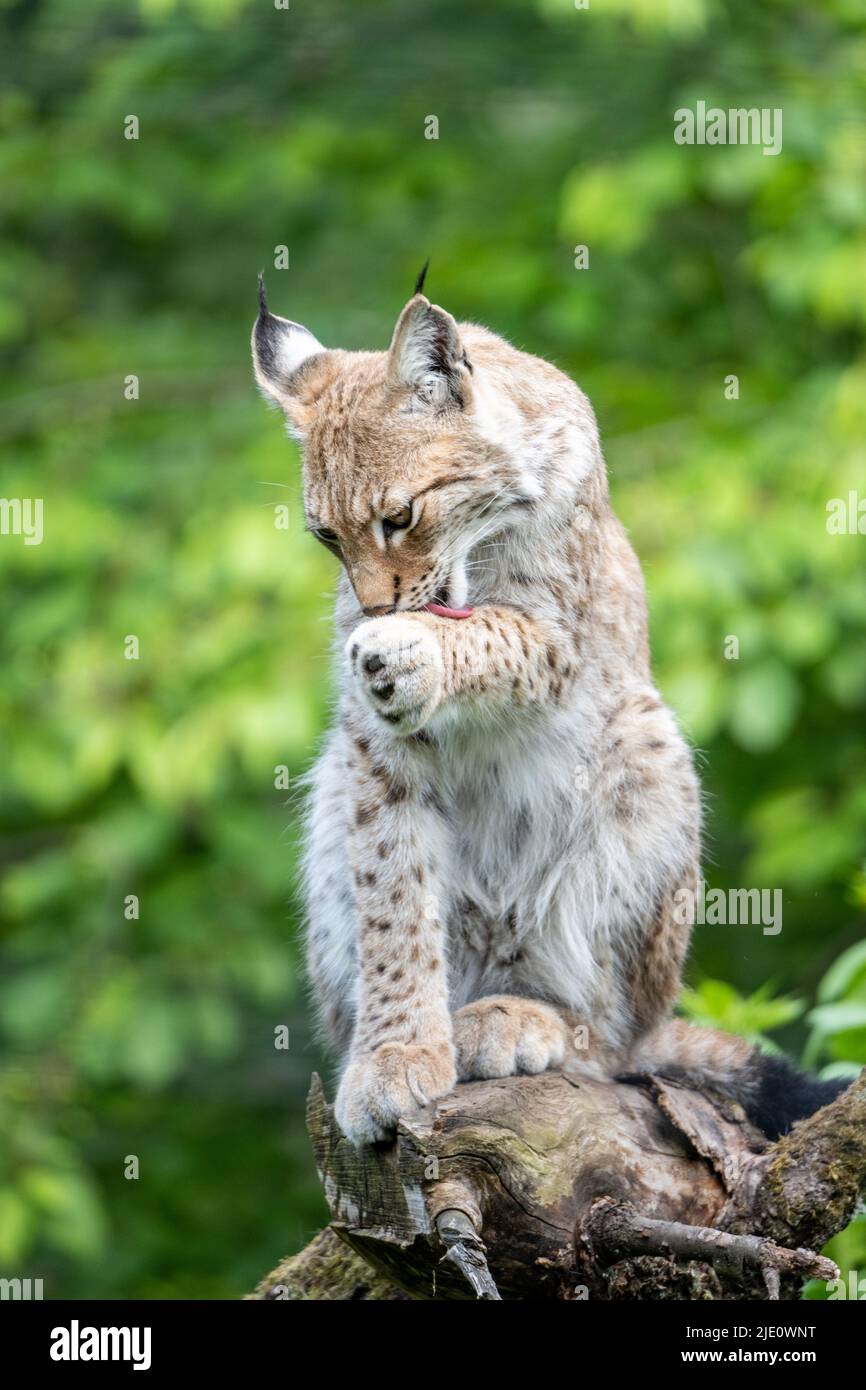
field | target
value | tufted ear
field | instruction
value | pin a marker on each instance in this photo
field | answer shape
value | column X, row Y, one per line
column 426, row 354
column 280, row 349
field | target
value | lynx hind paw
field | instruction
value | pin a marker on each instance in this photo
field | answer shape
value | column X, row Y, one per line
column 504, row 1036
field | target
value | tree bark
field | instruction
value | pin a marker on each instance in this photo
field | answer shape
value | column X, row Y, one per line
column 556, row 1187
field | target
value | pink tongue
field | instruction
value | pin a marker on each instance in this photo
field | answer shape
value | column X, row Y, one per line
column 442, row 612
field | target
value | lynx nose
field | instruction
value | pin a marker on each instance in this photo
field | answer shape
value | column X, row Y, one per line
column 378, row 610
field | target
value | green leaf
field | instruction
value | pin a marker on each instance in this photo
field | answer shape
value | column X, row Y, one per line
column 846, row 976
column 716, row 1004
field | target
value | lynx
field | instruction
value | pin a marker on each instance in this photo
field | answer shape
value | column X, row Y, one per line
column 505, row 811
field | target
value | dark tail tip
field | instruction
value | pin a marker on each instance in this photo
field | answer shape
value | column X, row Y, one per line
column 783, row 1095
column 419, row 283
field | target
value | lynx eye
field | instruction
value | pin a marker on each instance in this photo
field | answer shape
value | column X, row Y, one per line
column 327, row 537
column 398, row 521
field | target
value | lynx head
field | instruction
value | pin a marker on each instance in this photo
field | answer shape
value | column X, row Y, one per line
column 409, row 458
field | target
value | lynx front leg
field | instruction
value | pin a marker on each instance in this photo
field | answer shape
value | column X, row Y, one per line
column 406, row 665
column 402, row 1055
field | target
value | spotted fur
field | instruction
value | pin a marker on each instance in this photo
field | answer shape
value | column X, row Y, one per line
column 504, row 807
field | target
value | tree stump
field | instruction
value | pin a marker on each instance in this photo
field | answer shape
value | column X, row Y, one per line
column 564, row 1188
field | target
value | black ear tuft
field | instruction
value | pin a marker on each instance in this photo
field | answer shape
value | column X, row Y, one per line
column 280, row 349
column 419, row 283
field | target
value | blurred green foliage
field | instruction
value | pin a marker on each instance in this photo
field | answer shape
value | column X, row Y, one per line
column 155, row 777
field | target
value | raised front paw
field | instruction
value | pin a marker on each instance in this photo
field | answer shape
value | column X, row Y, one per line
column 397, row 663
column 394, row 1080
column 504, row 1035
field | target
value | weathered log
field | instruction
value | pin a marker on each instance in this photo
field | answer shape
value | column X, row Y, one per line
column 560, row 1187
column 806, row 1187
